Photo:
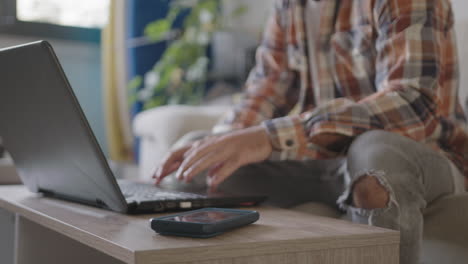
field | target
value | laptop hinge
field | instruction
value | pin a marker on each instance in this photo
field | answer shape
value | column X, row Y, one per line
column 96, row 203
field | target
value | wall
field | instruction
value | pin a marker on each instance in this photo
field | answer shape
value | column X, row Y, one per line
column 461, row 21
column 253, row 20
column 241, row 37
column 82, row 65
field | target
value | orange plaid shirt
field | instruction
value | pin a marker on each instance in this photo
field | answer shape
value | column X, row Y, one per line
column 382, row 64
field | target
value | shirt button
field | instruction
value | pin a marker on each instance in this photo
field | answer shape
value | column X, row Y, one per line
column 289, row 142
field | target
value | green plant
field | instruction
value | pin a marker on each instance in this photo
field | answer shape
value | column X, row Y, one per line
column 180, row 76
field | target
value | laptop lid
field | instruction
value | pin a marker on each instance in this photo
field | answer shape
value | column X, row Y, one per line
column 46, row 132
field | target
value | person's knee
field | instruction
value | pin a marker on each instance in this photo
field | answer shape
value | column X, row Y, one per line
column 368, row 193
column 370, row 138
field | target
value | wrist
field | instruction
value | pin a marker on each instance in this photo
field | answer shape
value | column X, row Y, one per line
column 265, row 138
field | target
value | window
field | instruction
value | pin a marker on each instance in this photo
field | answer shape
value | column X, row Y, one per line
column 83, row 13
column 66, row 19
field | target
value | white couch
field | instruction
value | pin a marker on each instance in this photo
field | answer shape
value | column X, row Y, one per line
column 159, row 128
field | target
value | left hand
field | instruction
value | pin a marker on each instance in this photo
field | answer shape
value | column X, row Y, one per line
column 223, row 155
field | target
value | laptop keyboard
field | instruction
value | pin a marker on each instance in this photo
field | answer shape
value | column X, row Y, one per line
column 148, row 192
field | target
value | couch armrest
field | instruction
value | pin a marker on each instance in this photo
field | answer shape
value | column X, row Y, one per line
column 161, row 127
column 445, row 232
column 173, row 121
column 447, row 218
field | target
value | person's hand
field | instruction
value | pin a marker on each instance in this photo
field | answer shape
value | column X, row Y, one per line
column 220, row 155
column 172, row 161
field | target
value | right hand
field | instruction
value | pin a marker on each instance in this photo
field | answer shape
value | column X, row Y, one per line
column 220, row 155
column 173, row 160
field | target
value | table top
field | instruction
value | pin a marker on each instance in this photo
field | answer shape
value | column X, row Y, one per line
column 129, row 237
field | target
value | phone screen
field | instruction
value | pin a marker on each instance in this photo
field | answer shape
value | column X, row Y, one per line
column 205, row 217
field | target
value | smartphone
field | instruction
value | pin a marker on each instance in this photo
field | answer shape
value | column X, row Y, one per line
column 203, row 223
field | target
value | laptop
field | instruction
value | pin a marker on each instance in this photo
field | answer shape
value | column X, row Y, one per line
column 55, row 151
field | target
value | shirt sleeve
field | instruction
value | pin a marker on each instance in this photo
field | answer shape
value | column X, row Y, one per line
column 269, row 92
column 416, row 71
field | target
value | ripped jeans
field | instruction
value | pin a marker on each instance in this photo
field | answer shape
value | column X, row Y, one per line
column 413, row 174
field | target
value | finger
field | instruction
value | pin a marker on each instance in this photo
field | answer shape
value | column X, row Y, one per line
column 212, row 171
column 170, row 170
column 222, row 174
column 167, row 163
column 196, row 155
column 206, row 162
column 197, row 144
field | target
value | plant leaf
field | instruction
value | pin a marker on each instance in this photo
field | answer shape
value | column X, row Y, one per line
column 239, row 11
column 135, row 83
column 158, row 29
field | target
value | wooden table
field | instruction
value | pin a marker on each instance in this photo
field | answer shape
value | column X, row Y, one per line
column 55, row 231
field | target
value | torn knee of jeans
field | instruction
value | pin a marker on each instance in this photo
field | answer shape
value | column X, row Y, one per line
column 346, row 201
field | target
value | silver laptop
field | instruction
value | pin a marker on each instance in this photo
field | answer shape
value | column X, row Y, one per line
column 55, row 150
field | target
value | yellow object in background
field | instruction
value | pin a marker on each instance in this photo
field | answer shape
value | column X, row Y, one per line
column 117, row 113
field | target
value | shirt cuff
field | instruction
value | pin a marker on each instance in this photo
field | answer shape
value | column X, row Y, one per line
column 288, row 138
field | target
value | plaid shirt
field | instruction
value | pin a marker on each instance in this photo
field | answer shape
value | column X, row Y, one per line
column 381, row 65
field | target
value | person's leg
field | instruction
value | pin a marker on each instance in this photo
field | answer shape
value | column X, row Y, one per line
column 392, row 178
column 290, row 183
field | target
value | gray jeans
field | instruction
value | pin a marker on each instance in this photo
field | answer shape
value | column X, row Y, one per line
column 413, row 174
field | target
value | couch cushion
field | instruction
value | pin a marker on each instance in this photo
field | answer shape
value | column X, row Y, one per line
column 446, row 231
